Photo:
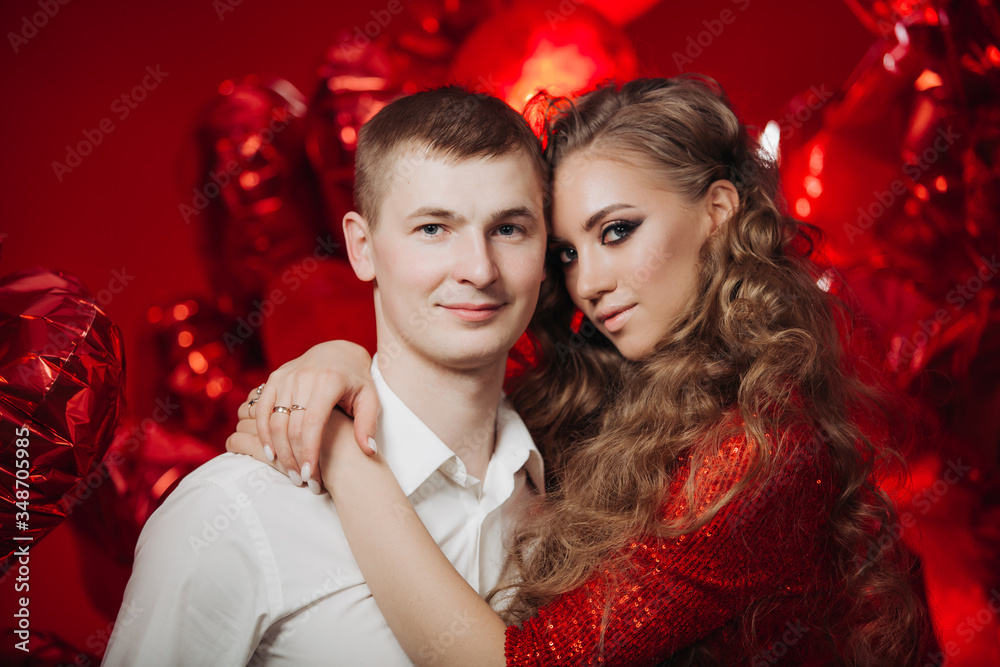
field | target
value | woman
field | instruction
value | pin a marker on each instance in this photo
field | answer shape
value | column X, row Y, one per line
column 713, row 497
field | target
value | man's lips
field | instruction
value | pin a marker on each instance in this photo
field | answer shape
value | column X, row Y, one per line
column 473, row 312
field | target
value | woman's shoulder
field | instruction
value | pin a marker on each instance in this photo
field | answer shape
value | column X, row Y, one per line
column 779, row 467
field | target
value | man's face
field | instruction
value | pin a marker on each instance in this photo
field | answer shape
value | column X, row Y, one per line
column 458, row 258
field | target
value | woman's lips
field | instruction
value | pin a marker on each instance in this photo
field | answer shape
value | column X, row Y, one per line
column 615, row 320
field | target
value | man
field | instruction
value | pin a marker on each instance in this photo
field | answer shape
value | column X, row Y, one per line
column 240, row 566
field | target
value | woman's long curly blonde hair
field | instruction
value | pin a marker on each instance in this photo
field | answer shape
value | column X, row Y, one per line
column 761, row 345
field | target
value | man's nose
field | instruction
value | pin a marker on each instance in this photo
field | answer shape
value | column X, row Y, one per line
column 475, row 263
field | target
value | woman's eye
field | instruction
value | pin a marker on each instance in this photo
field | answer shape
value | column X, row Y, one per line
column 566, row 255
column 507, row 230
column 616, row 232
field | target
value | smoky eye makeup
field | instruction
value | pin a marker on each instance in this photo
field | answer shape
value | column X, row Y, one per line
column 617, row 231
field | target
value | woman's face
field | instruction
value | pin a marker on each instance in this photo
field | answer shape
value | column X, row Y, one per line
column 628, row 247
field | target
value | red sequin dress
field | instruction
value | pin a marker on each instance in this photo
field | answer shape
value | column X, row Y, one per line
column 695, row 589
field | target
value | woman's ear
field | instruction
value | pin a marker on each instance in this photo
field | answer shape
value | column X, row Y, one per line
column 721, row 201
column 358, row 237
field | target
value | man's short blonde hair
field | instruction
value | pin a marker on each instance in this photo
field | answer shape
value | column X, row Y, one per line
column 450, row 122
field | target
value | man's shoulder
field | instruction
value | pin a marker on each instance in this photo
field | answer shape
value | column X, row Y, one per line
column 256, row 488
column 231, row 470
column 234, row 504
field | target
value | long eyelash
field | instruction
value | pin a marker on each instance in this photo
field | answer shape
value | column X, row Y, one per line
column 628, row 225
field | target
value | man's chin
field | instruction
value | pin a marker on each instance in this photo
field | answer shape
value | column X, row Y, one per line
column 472, row 355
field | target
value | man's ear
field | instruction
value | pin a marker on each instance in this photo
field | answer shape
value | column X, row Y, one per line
column 721, row 201
column 358, row 237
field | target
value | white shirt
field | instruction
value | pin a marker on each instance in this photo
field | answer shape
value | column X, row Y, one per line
column 238, row 566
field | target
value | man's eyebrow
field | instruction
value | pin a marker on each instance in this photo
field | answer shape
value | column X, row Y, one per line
column 434, row 212
column 591, row 221
column 516, row 212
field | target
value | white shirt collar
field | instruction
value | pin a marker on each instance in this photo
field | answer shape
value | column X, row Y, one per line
column 413, row 452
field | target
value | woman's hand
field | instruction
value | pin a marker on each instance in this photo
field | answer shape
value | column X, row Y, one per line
column 245, row 441
column 306, row 390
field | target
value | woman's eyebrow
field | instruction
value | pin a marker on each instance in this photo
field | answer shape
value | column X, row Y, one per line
column 597, row 217
column 593, row 220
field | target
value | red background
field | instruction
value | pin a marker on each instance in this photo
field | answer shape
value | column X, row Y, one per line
column 119, row 209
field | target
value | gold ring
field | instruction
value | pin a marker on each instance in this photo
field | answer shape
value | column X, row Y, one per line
column 281, row 408
column 298, row 407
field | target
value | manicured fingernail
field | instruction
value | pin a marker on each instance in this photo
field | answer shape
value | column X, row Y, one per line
column 371, row 443
column 268, row 452
column 314, row 486
column 295, row 477
column 306, row 472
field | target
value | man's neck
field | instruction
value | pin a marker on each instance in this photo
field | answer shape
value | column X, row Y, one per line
column 459, row 406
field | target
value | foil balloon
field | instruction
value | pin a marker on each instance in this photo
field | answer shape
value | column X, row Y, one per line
column 881, row 16
column 526, row 48
column 62, row 381
column 205, row 363
column 899, row 168
column 620, row 12
column 356, row 79
column 143, row 465
column 361, row 73
column 320, row 299
column 256, row 202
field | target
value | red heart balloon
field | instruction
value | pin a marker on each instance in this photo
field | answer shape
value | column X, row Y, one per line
column 62, row 385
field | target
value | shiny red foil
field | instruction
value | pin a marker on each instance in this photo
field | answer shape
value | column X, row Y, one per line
column 62, row 378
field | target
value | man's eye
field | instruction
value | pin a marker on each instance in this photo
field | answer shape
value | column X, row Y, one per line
column 430, row 230
column 507, row 230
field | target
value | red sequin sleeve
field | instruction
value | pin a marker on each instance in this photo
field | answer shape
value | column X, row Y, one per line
column 683, row 590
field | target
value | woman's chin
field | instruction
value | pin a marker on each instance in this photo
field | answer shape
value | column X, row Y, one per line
column 633, row 349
